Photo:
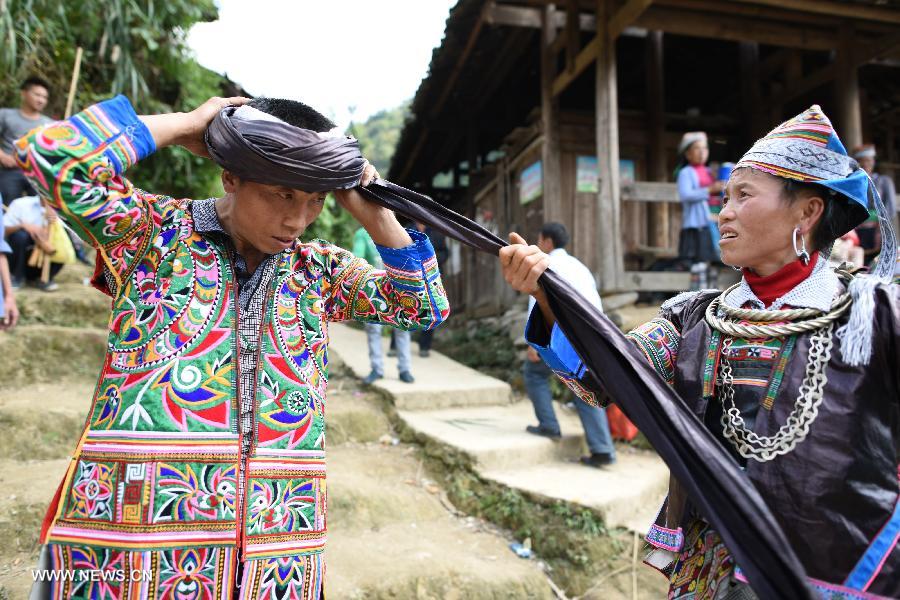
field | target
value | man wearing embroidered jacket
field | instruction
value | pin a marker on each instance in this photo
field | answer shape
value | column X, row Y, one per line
column 202, row 460
column 793, row 370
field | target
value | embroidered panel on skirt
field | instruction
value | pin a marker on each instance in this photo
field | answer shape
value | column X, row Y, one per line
column 703, row 565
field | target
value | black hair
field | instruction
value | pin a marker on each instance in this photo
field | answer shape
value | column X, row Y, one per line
column 556, row 233
column 293, row 113
column 33, row 81
column 835, row 213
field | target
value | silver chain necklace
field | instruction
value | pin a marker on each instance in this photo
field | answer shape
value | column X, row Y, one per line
column 806, row 408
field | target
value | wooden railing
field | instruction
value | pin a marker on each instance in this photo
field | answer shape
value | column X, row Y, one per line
column 651, row 192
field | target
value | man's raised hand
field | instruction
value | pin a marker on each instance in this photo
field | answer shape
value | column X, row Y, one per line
column 187, row 129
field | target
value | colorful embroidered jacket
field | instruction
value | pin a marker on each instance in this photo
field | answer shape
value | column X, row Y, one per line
column 835, row 495
column 153, row 481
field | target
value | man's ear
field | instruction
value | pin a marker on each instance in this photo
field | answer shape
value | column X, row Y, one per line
column 230, row 181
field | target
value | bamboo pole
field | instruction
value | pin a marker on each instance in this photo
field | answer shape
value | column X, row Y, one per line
column 76, row 73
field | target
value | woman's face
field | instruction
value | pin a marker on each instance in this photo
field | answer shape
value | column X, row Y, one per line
column 756, row 224
column 697, row 153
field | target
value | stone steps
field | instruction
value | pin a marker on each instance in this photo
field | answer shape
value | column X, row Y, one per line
column 628, row 494
column 495, row 435
column 440, row 381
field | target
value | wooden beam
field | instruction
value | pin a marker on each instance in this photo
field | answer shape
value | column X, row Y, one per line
column 626, row 16
column 859, row 56
column 508, row 56
column 650, row 191
column 460, row 62
column 585, row 58
column 845, row 10
column 513, row 16
column 652, row 281
column 758, row 11
column 735, row 29
column 623, row 18
column 812, row 81
column 505, row 15
column 750, row 81
column 448, row 86
column 880, row 48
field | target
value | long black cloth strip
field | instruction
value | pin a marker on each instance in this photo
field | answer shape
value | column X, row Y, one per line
column 276, row 153
column 710, row 476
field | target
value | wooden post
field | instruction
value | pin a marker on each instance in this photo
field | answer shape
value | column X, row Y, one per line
column 472, row 151
column 552, row 194
column 572, row 34
column 611, row 274
column 847, row 89
column 656, row 157
column 750, row 92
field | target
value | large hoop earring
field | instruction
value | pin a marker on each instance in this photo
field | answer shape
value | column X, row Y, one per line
column 802, row 254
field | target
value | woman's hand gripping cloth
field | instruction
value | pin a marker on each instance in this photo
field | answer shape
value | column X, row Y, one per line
column 272, row 152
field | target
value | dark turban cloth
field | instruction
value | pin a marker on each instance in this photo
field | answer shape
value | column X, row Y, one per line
column 270, row 151
column 614, row 365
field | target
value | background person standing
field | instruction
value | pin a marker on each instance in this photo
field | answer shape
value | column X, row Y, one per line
column 870, row 232
column 552, row 240
column 695, row 186
column 364, row 247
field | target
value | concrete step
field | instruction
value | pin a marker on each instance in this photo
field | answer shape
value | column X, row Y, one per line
column 495, row 436
column 440, row 381
column 628, row 493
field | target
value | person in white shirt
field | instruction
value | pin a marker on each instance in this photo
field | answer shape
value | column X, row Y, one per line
column 27, row 221
column 552, row 240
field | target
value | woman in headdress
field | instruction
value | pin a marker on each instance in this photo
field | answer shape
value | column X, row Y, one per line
column 696, row 187
column 794, row 370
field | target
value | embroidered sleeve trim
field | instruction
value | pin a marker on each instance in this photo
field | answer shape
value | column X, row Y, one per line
column 659, row 340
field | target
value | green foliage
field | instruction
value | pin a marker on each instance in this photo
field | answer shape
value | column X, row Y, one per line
column 486, row 348
column 334, row 224
column 132, row 47
column 377, row 137
column 379, row 134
